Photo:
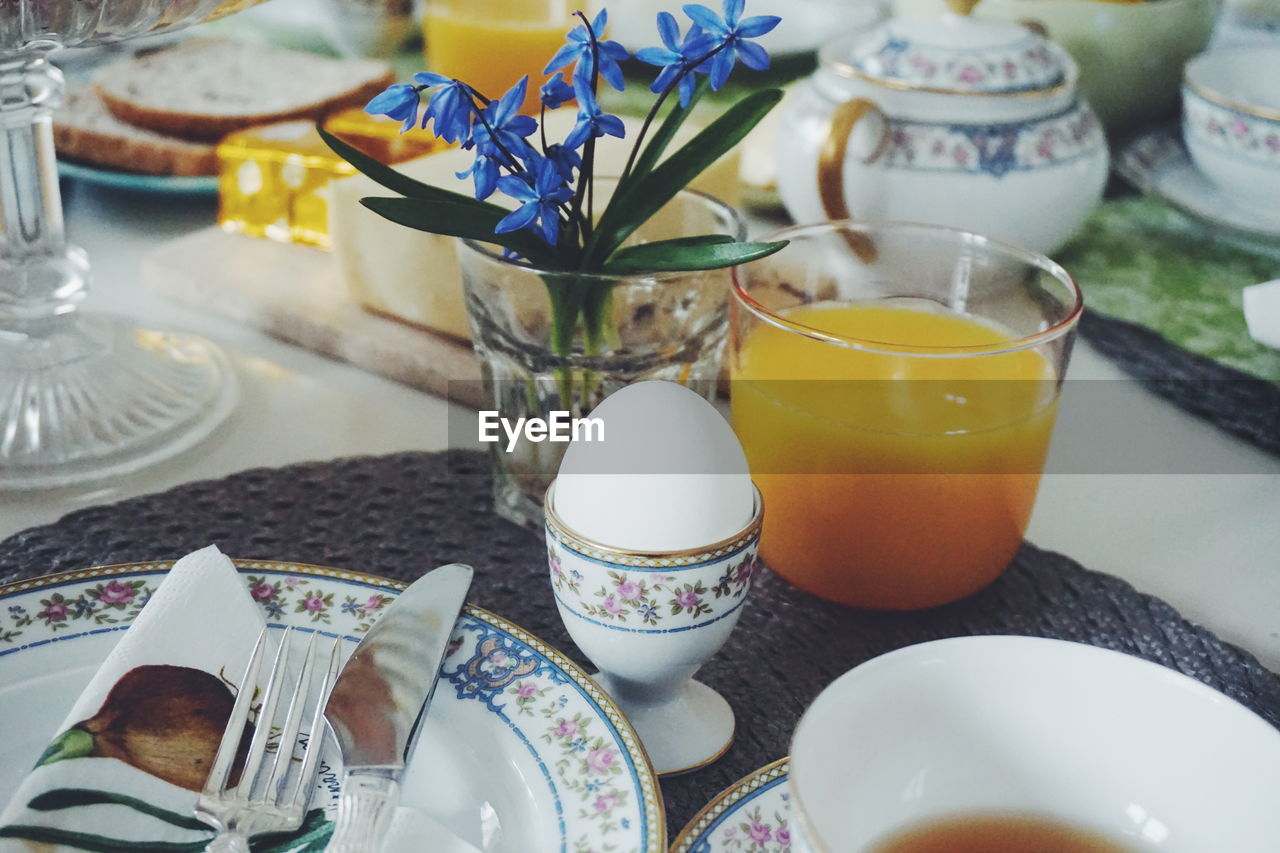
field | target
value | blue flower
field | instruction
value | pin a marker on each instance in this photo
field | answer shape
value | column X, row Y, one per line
column 592, row 122
column 565, row 160
column 539, row 190
column 677, row 58
column 450, row 106
column 399, row 102
column 555, row 92
column 733, row 34
column 578, row 49
column 503, row 127
column 484, row 171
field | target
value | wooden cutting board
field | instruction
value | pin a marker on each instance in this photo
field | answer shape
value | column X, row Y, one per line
column 295, row 293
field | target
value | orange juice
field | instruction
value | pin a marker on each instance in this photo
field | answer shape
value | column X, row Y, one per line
column 491, row 49
column 891, row 480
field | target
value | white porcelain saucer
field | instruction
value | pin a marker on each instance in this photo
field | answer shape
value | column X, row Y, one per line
column 753, row 815
column 1157, row 163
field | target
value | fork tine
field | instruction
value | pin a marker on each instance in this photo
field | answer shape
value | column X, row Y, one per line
column 266, row 714
column 292, row 723
column 315, row 738
column 230, row 744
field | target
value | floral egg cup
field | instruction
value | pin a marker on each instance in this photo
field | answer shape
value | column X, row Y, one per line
column 649, row 621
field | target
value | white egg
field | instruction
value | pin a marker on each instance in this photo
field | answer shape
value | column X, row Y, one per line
column 669, row 474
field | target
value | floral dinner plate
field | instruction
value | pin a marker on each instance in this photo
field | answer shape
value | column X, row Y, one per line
column 521, row 751
column 751, row 816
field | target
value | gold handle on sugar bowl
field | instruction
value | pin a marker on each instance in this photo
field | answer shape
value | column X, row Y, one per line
column 831, row 160
column 961, row 7
column 835, row 149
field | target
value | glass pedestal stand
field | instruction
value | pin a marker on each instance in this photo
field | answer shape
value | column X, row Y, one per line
column 82, row 397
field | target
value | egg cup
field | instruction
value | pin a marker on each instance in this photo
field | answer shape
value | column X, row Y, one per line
column 649, row 620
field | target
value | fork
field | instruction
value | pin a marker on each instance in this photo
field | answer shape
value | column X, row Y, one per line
column 235, row 812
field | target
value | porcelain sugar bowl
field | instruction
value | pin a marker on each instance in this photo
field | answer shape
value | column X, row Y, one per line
column 955, row 121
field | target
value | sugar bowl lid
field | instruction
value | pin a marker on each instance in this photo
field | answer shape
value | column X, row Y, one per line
column 955, row 54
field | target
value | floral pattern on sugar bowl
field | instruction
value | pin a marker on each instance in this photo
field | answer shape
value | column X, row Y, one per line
column 1235, row 132
column 1024, row 63
column 655, row 595
column 993, row 149
column 992, row 139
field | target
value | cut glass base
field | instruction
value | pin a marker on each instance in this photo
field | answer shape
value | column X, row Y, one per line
column 92, row 397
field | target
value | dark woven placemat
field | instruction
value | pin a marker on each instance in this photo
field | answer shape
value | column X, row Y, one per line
column 402, row 514
column 1243, row 405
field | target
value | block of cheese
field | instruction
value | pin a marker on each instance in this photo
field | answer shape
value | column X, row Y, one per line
column 414, row 276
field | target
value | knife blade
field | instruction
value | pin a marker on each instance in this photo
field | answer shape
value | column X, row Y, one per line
column 378, row 703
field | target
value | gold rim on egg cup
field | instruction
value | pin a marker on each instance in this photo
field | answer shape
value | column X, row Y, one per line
column 574, row 541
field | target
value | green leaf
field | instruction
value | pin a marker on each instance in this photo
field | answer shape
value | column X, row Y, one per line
column 666, row 132
column 470, row 220
column 67, row 798
column 644, row 197
column 677, row 255
column 395, row 181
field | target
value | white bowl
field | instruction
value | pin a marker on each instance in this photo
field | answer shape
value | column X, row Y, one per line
column 1231, row 121
column 979, row 725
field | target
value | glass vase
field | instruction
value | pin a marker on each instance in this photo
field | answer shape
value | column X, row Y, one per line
column 539, row 355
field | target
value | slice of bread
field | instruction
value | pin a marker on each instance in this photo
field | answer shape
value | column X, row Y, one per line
column 205, row 88
column 85, row 130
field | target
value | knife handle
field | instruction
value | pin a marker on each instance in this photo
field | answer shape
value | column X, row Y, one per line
column 364, row 813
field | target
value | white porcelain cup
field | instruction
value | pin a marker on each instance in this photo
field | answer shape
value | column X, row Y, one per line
column 1095, row 739
column 1231, row 121
column 649, row 620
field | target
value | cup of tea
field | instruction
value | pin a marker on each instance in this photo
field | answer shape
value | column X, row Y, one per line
column 1006, row 744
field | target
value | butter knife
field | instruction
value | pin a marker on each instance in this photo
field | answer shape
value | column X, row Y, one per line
column 379, row 701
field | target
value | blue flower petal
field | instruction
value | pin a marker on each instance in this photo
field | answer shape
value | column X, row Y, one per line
column 668, row 74
column 687, row 85
column 612, row 75
column 733, row 11
column 657, row 56
column 757, row 26
column 721, row 67
column 668, row 30
column 430, row 78
column 521, row 217
column 612, row 125
column 517, row 187
column 752, row 55
column 566, row 54
column 705, row 18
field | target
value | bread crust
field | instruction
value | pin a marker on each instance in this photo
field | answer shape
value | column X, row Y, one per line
column 213, row 127
column 80, row 135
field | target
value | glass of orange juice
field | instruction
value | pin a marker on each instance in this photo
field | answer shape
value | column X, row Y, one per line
column 491, row 44
column 895, row 388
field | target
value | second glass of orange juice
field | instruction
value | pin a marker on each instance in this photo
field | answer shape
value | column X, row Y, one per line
column 491, row 44
column 894, row 388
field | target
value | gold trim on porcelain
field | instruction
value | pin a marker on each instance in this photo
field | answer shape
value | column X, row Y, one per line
column 574, row 541
column 711, row 812
column 845, row 69
column 1214, row 97
column 655, row 808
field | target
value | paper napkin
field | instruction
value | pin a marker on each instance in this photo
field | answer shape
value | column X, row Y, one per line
column 1262, row 312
